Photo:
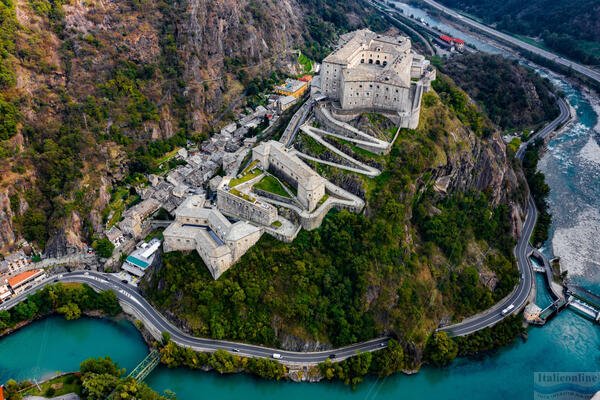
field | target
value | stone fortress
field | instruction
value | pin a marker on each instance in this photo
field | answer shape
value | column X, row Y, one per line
column 219, row 242
column 276, row 192
column 373, row 72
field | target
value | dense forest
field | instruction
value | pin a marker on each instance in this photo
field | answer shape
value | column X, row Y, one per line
column 511, row 95
column 569, row 27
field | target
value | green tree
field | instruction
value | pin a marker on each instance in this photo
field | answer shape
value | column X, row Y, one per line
column 11, row 390
column 98, row 386
column 104, row 247
column 70, row 311
column 440, row 350
column 390, row 360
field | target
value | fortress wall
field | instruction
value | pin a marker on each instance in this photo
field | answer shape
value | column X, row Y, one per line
column 340, row 130
column 284, row 238
column 240, row 247
column 235, row 206
column 273, row 196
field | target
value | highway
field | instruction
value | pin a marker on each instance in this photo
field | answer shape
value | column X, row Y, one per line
column 589, row 72
column 154, row 321
column 520, row 294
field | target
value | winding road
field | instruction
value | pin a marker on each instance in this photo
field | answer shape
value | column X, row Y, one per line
column 129, row 296
column 520, row 294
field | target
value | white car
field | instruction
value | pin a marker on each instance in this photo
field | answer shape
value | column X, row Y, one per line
column 276, row 356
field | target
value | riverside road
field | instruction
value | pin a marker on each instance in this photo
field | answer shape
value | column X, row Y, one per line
column 520, row 294
column 153, row 320
column 589, row 72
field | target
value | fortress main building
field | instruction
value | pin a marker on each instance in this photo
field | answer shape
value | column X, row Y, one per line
column 373, row 72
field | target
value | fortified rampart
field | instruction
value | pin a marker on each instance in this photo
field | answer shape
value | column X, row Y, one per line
column 236, row 206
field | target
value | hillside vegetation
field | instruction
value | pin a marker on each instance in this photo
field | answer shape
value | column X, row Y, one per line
column 93, row 94
column 420, row 255
column 569, row 27
column 512, row 95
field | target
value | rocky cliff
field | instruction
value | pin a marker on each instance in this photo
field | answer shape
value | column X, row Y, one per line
column 95, row 80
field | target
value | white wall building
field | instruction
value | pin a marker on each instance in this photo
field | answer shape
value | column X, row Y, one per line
column 219, row 242
column 372, row 72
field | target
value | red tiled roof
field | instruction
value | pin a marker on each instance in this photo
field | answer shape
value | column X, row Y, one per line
column 458, row 41
column 446, row 38
column 18, row 279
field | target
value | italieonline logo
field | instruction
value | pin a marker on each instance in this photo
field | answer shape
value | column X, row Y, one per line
column 565, row 385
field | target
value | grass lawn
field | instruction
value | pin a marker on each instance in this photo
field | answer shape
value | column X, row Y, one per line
column 271, row 185
column 167, row 156
column 245, row 178
column 244, row 196
column 250, row 166
column 322, row 200
column 276, row 224
column 58, row 386
column 305, row 62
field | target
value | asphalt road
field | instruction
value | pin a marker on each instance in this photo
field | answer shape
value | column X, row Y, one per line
column 130, row 295
column 589, row 72
column 519, row 295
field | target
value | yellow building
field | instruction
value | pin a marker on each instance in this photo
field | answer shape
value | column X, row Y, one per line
column 292, row 87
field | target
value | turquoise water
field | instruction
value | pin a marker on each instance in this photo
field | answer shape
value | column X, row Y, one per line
column 56, row 345
column 567, row 343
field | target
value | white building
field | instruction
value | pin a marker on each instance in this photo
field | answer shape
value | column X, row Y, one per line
column 219, row 242
column 142, row 257
column 372, row 72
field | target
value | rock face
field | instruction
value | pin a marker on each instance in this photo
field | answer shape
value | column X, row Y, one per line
column 7, row 234
column 294, row 343
column 219, row 32
column 67, row 240
column 485, row 167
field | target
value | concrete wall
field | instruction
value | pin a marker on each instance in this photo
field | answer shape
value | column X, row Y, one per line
column 331, row 78
column 272, row 196
column 371, row 94
column 235, row 206
column 240, row 247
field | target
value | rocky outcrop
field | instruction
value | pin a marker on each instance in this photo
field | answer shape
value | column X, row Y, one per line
column 219, row 32
column 68, row 239
column 7, row 231
column 294, row 343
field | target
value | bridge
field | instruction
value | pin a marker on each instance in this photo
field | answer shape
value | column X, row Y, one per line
column 147, row 365
column 142, row 370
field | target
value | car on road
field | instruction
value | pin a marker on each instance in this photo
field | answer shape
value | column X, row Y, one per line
column 332, row 356
column 125, row 281
column 235, row 350
column 56, row 280
column 508, row 309
column 86, row 273
column 277, row 356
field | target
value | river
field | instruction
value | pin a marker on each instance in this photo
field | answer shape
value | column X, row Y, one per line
column 567, row 343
